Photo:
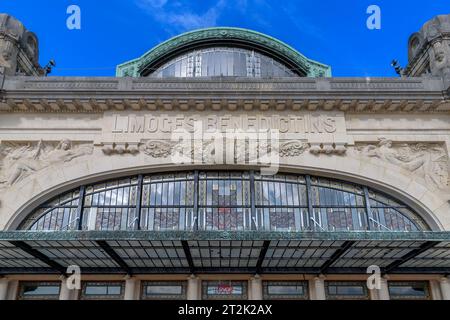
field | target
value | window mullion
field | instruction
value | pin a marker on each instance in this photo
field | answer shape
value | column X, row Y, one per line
column 309, row 201
column 367, row 203
column 252, row 198
column 80, row 208
column 139, row 201
column 196, row 193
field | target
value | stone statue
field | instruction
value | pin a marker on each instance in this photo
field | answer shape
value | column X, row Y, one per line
column 430, row 160
column 19, row 161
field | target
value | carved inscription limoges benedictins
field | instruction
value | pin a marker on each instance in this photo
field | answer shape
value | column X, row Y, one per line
column 141, row 124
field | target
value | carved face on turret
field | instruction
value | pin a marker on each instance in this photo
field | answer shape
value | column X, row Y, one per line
column 429, row 50
column 439, row 52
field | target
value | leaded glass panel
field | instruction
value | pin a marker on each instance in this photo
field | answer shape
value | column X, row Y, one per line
column 223, row 200
column 224, row 290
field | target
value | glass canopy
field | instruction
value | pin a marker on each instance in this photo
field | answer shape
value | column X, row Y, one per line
column 223, row 61
column 230, row 201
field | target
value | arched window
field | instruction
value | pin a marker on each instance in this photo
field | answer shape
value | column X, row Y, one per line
column 222, row 200
column 223, row 61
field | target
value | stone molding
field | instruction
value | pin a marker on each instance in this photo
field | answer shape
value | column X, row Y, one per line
column 96, row 95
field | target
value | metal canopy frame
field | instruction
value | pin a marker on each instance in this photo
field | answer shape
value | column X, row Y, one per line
column 110, row 251
column 336, row 255
column 147, row 252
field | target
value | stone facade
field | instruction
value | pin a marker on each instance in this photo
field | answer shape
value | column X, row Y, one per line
column 391, row 134
column 388, row 133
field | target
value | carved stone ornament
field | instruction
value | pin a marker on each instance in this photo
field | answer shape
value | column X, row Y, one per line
column 429, row 160
column 205, row 151
column 120, row 148
column 293, row 148
column 329, row 149
column 19, row 160
column 158, row 148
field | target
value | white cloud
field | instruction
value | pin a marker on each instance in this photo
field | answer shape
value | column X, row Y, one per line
column 177, row 17
column 154, row 3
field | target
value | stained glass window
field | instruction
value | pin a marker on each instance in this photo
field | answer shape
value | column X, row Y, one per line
column 111, row 205
column 167, row 202
column 224, row 200
column 224, row 290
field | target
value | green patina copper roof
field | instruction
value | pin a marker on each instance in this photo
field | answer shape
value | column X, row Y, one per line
column 311, row 68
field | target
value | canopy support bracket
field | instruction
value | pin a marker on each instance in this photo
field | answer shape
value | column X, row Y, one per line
column 410, row 255
column 113, row 255
column 39, row 255
column 336, row 255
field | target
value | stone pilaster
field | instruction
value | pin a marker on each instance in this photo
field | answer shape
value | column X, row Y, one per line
column 444, row 284
column 64, row 292
column 4, row 288
column 318, row 288
column 383, row 292
column 130, row 288
column 256, row 288
column 193, row 288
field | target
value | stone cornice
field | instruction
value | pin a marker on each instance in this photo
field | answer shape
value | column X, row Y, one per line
column 93, row 95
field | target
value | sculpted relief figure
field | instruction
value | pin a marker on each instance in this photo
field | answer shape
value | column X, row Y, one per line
column 429, row 160
column 19, row 161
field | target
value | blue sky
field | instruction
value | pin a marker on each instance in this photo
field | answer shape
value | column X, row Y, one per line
column 330, row 31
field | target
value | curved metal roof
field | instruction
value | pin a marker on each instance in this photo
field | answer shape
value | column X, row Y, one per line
column 220, row 36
